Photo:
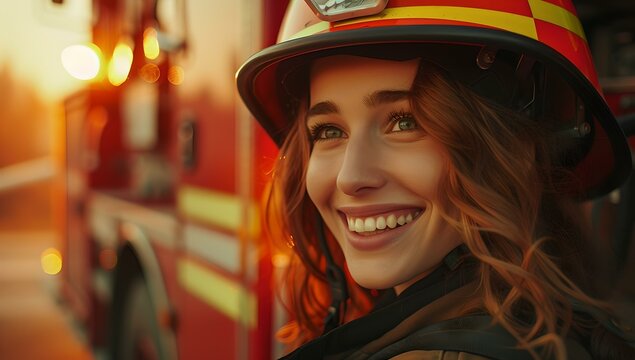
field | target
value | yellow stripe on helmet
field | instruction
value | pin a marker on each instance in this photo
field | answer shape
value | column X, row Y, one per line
column 554, row 14
column 516, row 23
column 519, row 24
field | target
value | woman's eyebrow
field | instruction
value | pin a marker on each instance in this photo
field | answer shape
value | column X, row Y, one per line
column 323, row 108
column 376, row 98
column 385, row 97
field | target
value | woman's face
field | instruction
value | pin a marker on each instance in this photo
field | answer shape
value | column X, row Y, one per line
column 373, row 173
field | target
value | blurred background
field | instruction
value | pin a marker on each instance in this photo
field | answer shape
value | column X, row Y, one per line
column 63, row 184
column 33, row 86
column 34, row 83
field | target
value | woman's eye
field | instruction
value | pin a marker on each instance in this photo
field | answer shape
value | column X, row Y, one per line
column 402, row 121
column 326, row 132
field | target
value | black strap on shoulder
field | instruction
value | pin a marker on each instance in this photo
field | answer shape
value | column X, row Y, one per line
column 474, row 334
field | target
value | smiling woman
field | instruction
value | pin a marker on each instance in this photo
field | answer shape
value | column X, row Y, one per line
column 364, row 176
column 427, row 186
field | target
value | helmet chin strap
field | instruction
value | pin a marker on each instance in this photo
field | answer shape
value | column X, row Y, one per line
column 337, row 282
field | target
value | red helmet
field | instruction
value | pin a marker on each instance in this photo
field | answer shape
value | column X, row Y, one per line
column 529, row 55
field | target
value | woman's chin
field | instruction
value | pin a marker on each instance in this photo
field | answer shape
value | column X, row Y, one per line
column 373, row 277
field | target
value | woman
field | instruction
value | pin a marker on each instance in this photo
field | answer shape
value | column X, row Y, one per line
column 425, row 188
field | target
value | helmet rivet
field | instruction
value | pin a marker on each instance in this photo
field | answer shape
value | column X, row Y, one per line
column 485, row 58
column 584, row 129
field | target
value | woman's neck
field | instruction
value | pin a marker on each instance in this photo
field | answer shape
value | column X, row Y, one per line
column 401, row 287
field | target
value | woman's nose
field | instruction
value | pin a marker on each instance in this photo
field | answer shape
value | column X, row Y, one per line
column 360, row 169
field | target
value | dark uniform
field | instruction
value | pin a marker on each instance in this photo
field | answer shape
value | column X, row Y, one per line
column 422, row 320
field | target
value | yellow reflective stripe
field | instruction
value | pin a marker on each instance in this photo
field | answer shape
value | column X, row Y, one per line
column 516, row 23
column 519, row 24
column 216, row 208
column 551, row 13
column 224, row 295
column 313, row 29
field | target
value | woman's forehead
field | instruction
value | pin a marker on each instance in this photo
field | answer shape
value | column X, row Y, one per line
column 338, row 73
column 355, row 62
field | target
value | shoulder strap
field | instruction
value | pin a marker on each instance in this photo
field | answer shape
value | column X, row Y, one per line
column 474, row 334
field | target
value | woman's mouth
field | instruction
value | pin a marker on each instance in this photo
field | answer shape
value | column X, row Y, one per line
column 371, row 225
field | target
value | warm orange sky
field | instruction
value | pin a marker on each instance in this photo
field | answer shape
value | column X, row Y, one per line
column 34, row 32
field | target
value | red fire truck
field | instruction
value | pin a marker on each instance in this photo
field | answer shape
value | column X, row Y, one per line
column 163, row 253
column 162, row 248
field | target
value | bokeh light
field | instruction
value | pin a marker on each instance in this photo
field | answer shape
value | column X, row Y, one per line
column 150, row 73
column 150, row 43
column 176, row 75
column 51, row 261
column 120, row 64
column 280, row 260
column 82, row 61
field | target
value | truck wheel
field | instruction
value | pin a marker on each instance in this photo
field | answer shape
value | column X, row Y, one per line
column 139, row 338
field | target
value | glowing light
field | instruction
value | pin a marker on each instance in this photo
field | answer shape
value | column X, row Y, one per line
column 81, row 61
column 176, row 75
column 51, row 261
column 150, row 73
column 280, row 260
column 120, row 64
column 150, row 43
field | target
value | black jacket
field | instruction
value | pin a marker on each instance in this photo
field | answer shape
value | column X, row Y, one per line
column 424, row 317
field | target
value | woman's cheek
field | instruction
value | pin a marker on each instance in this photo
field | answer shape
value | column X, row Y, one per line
column 421, row 171
column 318, row 180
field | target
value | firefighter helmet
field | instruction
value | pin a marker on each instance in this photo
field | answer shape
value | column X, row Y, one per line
column 529, row 55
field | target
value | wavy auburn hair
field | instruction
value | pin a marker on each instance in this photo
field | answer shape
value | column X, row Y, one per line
column 502, row 182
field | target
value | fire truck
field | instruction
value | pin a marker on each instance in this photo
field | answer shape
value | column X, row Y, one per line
column 163, row 254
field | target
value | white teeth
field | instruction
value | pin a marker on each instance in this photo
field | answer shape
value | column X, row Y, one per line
column 391, row 221
column 381, row 223
column 370, row 224
column 359, row 225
